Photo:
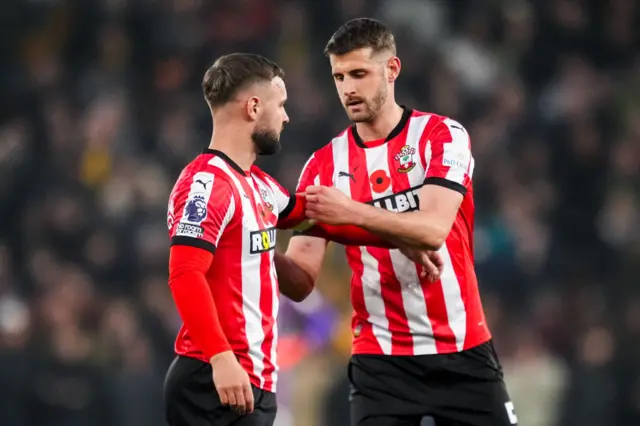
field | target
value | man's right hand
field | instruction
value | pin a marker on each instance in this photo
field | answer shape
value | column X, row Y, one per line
column 232, row 382
column 431, row 262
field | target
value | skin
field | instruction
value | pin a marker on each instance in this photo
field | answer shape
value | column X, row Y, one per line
column 259, row 107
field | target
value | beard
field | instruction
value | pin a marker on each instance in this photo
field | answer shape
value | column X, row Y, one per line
column 368, row 109
column 267, row 141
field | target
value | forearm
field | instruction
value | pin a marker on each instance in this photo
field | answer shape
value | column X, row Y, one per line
column 413, row 229
column 294, row 280
column 198, row 310
column 349, row 235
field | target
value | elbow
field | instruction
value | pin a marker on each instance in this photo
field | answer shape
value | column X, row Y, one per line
column 301, row 294
column 303, row 290
column 432, row 242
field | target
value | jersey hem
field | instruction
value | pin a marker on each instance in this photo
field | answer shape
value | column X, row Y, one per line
column 255, row 381
column 372, row 348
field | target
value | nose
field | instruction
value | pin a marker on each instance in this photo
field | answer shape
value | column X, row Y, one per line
column 348, row 87
column 285, row 118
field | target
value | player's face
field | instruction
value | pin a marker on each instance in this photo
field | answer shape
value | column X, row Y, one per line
column 362, row 83
column 271, row 119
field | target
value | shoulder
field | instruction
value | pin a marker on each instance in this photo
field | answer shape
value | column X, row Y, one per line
column 201, row 175
column 434, row 125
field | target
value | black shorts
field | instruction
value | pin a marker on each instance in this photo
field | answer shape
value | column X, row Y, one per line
column 191, row 399
column 460, row 389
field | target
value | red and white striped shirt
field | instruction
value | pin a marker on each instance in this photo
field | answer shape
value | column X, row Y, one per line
column 216, row 206
column 395, row 311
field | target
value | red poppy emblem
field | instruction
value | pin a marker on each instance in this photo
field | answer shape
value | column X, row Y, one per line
column 267, row 214
column 379, row 181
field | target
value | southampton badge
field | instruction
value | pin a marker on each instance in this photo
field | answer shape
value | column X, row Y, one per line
column 405, row 158
column 265, row 198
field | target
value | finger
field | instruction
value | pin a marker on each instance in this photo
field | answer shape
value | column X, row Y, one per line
column 241, row 405
column 248, row 397
column 313, row 189
column 224, row 398
column 312, row 198
column 423, row 272
column 429, row 267
column 301, row 194
column 231, row 395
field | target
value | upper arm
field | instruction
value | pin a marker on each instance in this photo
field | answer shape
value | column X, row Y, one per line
column 308, row 252
column 202, row 211
column 448, row 172
column 447, row 152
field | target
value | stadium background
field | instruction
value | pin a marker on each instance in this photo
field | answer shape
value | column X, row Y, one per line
column 101, row 107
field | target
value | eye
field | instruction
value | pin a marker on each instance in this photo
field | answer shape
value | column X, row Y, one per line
column 338, row 77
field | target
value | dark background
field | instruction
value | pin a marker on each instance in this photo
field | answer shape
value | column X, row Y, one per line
column 101, row 108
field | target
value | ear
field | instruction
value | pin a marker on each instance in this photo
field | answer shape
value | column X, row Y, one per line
column 393, row 68
column 253, row 105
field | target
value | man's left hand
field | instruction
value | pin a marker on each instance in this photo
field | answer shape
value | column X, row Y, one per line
column 329, row 205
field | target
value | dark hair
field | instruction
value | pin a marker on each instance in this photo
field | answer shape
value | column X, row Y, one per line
column 235, row 71
column 361, row 33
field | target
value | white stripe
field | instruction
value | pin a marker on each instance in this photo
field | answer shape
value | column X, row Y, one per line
column 251, row 282
column 340, row 150
column 231, row 209
column 414, row 304
column 276, row 308
column 456, row 312
column 457, row 154
column 377, row 159
column 274, row 298
column 416, row 129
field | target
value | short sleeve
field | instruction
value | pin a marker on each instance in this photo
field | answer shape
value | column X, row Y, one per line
column 203, row 210
column 448, row 156
column 309, row 174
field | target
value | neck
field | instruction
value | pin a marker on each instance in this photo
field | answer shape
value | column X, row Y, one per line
column 236, row 145
column 380, row 127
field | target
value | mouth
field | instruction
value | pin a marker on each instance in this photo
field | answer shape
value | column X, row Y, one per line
column 354, row 103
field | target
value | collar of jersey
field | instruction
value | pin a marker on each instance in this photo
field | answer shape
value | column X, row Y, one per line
column 227, row 160
column 395, row 132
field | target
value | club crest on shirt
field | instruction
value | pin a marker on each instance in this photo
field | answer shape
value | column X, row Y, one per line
column 405, row 158
column 265, row 198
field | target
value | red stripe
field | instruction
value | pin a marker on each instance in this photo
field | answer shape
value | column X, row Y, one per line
column 401, row 338
column 459, row 241
column 325, row 167
column 360, row 189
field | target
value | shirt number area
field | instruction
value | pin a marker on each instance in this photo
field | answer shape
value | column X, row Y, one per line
column 511, row 413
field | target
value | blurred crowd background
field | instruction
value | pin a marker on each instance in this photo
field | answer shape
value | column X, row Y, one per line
column 101, row 108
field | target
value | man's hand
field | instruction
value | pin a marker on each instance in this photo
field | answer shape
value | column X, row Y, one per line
column 232, row 382
column 329, row 205
column 431, row 262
